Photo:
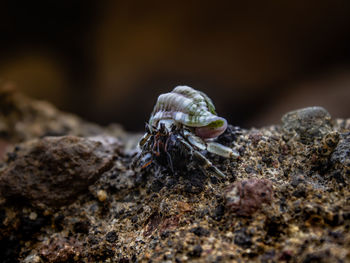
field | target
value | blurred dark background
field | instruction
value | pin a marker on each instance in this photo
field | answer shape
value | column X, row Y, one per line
column 107, row 61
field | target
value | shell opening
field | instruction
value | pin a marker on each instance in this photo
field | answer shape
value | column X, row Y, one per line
column 213, row 129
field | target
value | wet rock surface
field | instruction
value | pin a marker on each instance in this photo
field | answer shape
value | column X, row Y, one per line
column 285, row 199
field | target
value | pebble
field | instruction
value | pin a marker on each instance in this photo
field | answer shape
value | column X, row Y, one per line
column 102, row 195
column 242, row 239
column 308, row 123
column 111, row 236
column 32, row 259
column 340, row 157
column 196, row 251
column 246, row 196
column 33, row 216
column 341, row 154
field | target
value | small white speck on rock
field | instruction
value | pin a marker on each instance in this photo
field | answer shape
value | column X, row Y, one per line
column 101, row 195
column 33, row 216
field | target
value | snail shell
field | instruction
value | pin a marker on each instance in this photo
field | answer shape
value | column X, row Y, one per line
column 191, row 108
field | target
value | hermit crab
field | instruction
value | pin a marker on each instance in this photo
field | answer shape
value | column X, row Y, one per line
column 183, row 126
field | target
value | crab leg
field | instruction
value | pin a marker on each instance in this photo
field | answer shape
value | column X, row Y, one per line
column 203, row 161
column 212, row 147
column 144, row 139
column 206, row 164
column 219, row 149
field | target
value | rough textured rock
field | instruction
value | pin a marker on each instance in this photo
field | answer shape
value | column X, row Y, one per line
column 22, row 118
column 60, row 250
column 53, row 170
column 159, row 215
column 308, row 123
column 341, row 155
column 340, row 160
column 247, row 196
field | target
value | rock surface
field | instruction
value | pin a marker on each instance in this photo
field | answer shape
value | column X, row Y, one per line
column 285, row 199
column 341, row 155
column 247, row 196
column 52, row 171
column 308, row 123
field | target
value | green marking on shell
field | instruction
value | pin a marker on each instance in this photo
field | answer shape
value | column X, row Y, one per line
column 216, row 124
column 209, row 102
column 186, row 106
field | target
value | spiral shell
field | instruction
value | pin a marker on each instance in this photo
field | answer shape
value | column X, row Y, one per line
column 191, row 108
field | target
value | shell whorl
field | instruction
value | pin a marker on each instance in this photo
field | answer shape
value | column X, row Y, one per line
column 186, row 106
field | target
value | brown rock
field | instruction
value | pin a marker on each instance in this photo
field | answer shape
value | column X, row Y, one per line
column 54, row 170
column 61, row 250
column 246, row 196
column 22, row 119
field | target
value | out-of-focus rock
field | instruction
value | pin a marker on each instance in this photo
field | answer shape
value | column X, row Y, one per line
column 307, row 123
column 4, row 146
column 246, row 196
column 22, row 119
column 54, row 170
column 340, row 158
column 61, row 250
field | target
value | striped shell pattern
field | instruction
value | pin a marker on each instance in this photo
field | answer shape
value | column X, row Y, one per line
column 191, row 108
